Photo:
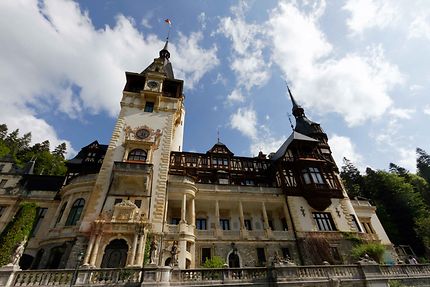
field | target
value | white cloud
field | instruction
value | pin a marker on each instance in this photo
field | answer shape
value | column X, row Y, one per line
column 202, row 19
column 407, row 158
column 324, row 82
column 245, row 121
column 51, row 53
column 366, row 14
column 342, row 147
column 402, row 113
column 420, row 27
column 248, row 62
column 235, row 96
column 427, row 110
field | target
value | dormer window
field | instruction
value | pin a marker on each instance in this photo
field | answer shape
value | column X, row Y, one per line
column 137, row 155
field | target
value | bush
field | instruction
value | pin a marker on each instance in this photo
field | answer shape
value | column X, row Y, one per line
column 374, row 250
column 16, row 231
column 214, row 262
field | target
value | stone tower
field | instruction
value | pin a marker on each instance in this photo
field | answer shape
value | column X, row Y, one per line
column 129, row 195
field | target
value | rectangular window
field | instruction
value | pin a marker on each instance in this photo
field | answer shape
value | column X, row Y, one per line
column 335, row 253
column 201, row 223
column 312, row 175
column 261, row 257
column 138, row 203
column 2, row 209
column 206, row 254
column 285, row 252
column 248, row 225
column 175, row 221
column 3, row 182
column 270, row 222
column 225, row 224
column 324, row 221
column 40, row 215
column 149, row 107
column 284, row 224
column 367, row 226
column 117, row 200
column 355, row 223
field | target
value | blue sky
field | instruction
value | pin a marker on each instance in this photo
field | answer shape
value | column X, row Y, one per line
column 359, row 67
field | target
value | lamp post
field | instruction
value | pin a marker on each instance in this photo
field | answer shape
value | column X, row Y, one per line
column 75, row 273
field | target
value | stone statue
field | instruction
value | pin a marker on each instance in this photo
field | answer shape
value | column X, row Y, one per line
column 174, row 254
column 16, row 256
column 153, row 251
column 277, row 259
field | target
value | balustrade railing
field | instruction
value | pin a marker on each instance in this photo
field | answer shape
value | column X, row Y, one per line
column 136, row 276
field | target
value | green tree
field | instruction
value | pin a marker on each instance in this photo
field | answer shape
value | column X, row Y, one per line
column 18, row 229
column 214, row 262
column 352, row 178
column 423, row 164
column 60, row 150
column 399, row 207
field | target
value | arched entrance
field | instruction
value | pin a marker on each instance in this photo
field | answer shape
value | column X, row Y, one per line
column 55, row 256
column 233, row 260
column 115, row 255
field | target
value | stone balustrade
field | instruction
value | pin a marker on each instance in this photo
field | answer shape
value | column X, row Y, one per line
column 321, row 275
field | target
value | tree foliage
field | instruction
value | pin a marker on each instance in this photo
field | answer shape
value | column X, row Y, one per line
column 402, row 200
column 214, row 262
column 18, row 229
column 20, row 150
column 374, row 250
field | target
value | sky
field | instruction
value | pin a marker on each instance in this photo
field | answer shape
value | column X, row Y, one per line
column 360, row 68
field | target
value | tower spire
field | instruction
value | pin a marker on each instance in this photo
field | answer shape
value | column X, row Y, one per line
column 297, row 110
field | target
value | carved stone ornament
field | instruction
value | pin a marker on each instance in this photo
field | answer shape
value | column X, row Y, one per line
column 125, row 211
column 150, row 135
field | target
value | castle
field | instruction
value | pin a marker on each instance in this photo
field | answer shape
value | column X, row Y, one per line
column 142, row 191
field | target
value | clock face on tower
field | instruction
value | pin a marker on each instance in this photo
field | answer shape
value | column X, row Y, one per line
column 142, row 134
column 152, row 84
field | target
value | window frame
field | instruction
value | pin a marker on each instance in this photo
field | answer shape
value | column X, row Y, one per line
column 224, row 223
column 149, row 107
column 324, row 221
column 75, row 212
column 137, row 154
column 201, row 224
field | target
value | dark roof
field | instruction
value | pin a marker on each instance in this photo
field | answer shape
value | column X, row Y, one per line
column 42, row 182
column 295, row 136
column 220, row 148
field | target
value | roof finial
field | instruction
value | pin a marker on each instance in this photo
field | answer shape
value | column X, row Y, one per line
column 218, row 135
column 164, row 53
column 295, row 105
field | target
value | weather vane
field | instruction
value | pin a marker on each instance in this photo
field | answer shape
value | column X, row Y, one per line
column 170, row 26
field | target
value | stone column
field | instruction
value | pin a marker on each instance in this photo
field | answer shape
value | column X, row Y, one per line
column 217, row 214
column 182, row 254
column 89, row 249
column 285, row 210
column 132, row 254
column 95, row 249
column 184, row 208
column 266, row 220
column 193, row 212
column 141, row 251
column 242, row 219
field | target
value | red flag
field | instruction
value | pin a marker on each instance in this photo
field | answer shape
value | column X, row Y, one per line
column 168, row 21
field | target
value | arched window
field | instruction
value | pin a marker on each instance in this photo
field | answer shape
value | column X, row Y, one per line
column 75, row 212
column 137, row 155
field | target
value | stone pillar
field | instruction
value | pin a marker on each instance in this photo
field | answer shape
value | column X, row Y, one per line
column 184, row 208
column 141, row 251
column 132, row 254
column 242, row 219
column 285, row 210
column 217, row 214
column 95, row 250
column 182, row 253
column 266, row 220
column 193, row 212
column 89, row 249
